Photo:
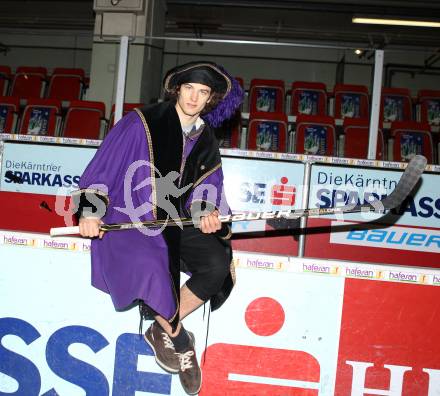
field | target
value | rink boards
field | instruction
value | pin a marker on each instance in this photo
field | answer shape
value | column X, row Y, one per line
column 49, row 169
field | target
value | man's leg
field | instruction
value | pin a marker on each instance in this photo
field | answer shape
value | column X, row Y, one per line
column 166, row 343
column 182, row 343
column 208, row 262
column 189, row 302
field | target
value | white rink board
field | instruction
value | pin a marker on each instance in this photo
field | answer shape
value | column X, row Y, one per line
column 46, row 293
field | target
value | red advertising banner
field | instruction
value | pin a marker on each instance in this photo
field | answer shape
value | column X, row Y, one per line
column 388, row 343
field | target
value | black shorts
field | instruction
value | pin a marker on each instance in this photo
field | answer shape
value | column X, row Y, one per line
column 207, row 259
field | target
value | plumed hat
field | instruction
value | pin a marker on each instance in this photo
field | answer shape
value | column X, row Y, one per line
column 215, row 77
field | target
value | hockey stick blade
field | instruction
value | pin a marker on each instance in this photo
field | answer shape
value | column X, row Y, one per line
column 407, row 182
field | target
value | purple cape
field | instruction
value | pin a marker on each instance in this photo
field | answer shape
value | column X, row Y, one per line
column 130, row 265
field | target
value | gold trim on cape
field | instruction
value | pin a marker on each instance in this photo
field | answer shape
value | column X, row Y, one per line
column 205, row 175
column 232, row 271
column 93, row 191
column 152, row 166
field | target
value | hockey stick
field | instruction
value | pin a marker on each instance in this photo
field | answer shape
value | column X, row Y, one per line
column 407, row 182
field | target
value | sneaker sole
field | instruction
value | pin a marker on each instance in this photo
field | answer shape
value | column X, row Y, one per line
column 193, row 339
column 200, row 387
column 161, row 364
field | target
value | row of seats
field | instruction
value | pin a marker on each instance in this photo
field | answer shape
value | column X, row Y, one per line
column 309, row 98
column 318, row 135
column 265, row 131
column 34, row 82
column 351, row 101
column 82, row 119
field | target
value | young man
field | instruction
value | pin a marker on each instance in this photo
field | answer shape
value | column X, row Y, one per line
column 157, row 163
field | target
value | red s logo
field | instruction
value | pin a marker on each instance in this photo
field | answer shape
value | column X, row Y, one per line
column 282, row 194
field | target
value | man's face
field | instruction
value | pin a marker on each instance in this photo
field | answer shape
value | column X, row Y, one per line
column 192, row 98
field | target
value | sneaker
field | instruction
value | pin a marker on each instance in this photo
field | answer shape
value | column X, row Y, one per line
column 163, row 348
column 190, row 374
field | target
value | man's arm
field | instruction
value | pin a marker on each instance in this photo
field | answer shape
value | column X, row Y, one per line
column 90, row 206
column 104, row 174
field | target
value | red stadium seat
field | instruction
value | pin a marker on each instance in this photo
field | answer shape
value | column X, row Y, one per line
column 41, row 117
column 5, row 79
column 411, row 138
column 29, row 82
column 9, row 109
column 126, row 109
column 395, row 105
column 351, row 101
column 66, row 84
column 240, row 81
column 429, row 101
column 231, row 137
column 267, row 132
column 356, row 134
column 315, row 135
column 229, row 133
column 84, row 119
column 309, row 98
column 266, row 96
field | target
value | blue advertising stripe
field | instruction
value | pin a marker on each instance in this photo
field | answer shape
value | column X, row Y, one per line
column 416, row 239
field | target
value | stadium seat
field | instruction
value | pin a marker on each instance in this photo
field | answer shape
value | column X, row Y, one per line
column 429, row 102
column 351, row 101
column 267, row 132
column 29, row 82
column 41, row 117
column 408, row 139
column 240, row 81
column 309, row 98
column 9, row 109
column 5, row 79
column 229, row 133
column 85, row 119
column 66, row 84
column 266, row 96
column 315, row 135
column 356, row 134
column 126, row 109
column 395, row 105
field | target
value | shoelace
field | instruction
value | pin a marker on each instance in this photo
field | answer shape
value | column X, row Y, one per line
column 167, row 341
column 185, row 360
